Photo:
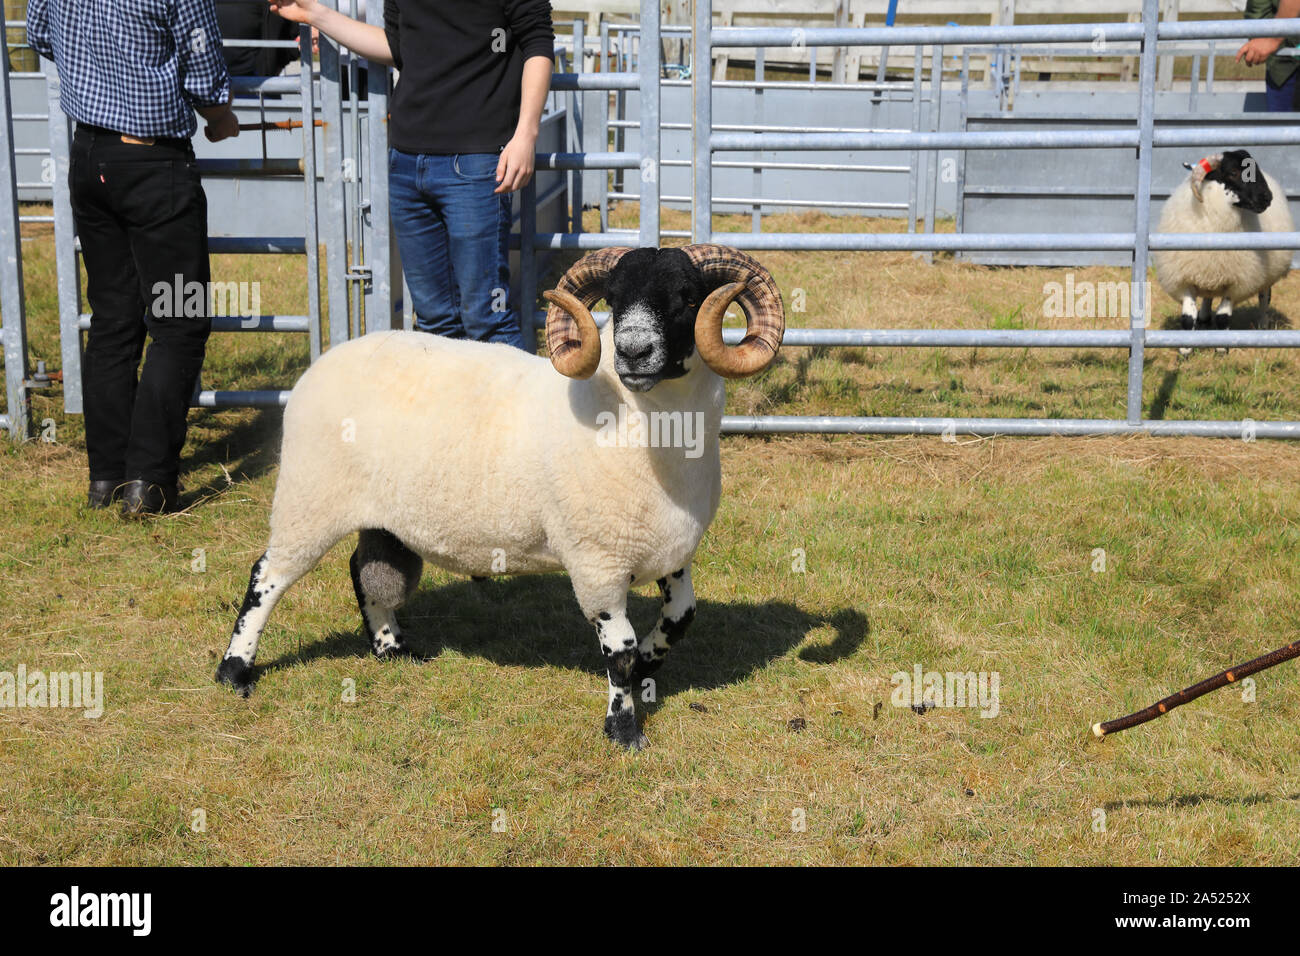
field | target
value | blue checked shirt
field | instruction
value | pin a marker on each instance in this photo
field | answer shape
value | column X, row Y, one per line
column 139, row 67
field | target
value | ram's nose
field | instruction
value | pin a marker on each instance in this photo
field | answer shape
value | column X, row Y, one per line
column 635, row 349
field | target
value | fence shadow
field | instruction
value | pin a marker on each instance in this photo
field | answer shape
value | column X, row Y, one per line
column 534, row 621
column 1180, row 801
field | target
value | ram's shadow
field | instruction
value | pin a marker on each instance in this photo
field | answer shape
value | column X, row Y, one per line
column 1244, row 317
column 534, row 621
column 247, row 447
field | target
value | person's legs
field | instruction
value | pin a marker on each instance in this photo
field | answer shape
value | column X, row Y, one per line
column 155, row 191
column 422, row 241
column 478, row 225
column 117, row 329
column 1281, row 99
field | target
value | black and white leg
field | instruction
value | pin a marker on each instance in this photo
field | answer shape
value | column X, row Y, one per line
column 1223, row 319
column 674, row 618
column 1223, row 314
column 618, row 646
column 1192, row 317
column 385, row 573
column 267, row 583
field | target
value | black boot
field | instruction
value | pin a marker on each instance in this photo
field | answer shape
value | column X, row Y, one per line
column 141, row 498
column 103, row 493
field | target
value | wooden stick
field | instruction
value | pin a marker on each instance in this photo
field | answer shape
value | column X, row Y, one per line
column 1233, row 674
column 270, row 124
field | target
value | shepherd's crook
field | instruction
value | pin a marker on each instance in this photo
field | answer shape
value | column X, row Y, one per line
column 1231, row 675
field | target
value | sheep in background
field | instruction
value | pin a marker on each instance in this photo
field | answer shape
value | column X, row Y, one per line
column 481, row 460
column 1225, row 193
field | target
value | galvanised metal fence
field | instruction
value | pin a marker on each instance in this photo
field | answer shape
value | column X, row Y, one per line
column 348, row 276
column 1142, row 138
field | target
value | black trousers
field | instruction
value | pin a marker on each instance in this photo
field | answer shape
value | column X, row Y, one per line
column 142, row 218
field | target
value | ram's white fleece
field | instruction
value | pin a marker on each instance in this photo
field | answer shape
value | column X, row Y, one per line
column 1233, row 274
column 477, row 456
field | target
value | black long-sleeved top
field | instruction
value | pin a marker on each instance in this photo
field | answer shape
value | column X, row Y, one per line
column 461, row 64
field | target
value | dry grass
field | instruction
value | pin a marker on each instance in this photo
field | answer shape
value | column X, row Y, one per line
column 974, row 555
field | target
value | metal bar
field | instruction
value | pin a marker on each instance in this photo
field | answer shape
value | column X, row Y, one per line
column 1009, row 139
column 962, row 121
column 1030, row 338
column 335, row 195
column 815, row 167
column 648, row 66
column 17, row 417
column 528, row 261
column 1146, row 128
column 256, row 245
column 242, row 323
column 595, row 81
column 935, row 110
column 311, row 241
column 759, row 201
column 756, row 180
column 1002, row 242
column 780, row 424
column 702, row 122
column 250, row 167
column 381, row 301
column 604, row 119
column 574, row 125
column 913, row 175
column 65, row 247
column 588, row 160
column 1002, row 34
column 268, row 398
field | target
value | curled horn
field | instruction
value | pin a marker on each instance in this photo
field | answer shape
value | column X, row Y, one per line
column 571, row 334
column 1200, row 170
column 737, row 277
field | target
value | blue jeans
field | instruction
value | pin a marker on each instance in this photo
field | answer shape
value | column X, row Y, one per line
column 1280, row 99
column 453, row 233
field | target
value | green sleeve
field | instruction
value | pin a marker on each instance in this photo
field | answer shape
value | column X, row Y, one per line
column 1260, row 9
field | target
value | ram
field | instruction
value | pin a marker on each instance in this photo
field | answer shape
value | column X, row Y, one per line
column 1223, row 193
column 481, row 460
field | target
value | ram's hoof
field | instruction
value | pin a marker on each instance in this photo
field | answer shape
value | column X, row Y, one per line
column 622, row 729
column 396, row 652
column 238, row 673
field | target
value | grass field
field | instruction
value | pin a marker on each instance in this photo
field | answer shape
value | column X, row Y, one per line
column 774, row 739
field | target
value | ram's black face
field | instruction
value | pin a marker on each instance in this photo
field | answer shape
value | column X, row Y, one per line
column 653, row 295
column 1243, row 180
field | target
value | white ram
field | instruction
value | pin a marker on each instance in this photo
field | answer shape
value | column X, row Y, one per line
column 1224, row 193
column 482, row 460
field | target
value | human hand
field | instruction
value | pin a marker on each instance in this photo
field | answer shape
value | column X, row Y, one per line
column 224, row 126
column 515, row 167
column 1258, row 50
column 299, row 11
